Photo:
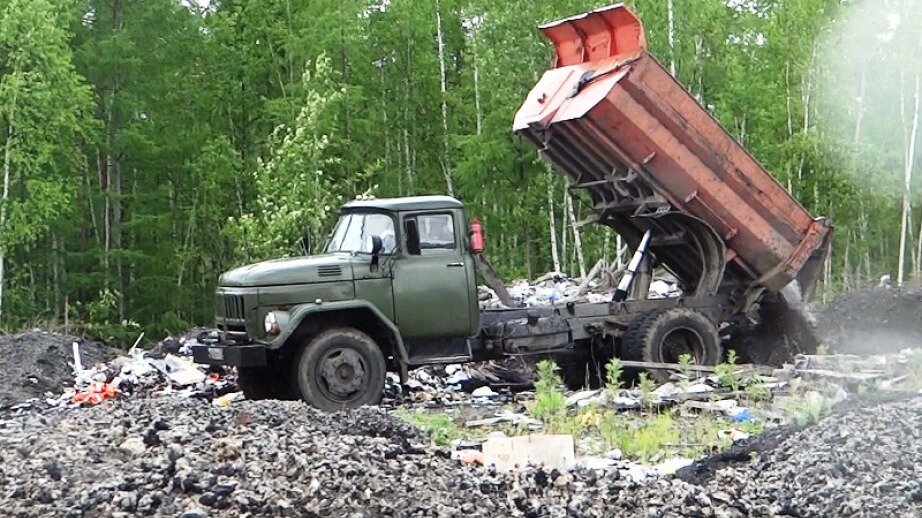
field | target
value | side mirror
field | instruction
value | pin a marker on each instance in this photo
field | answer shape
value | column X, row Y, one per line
column 376, row 245
column 412, row 237
column 306, row 241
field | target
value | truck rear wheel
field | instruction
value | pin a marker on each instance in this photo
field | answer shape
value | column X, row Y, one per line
column 339, row 369
column 664, row 335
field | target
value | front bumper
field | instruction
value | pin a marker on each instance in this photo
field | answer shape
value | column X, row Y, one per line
column 251, row 355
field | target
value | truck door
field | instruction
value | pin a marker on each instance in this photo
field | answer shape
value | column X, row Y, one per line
column 432, row 295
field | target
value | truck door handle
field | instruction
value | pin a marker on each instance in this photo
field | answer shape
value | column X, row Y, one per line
column 456, row 265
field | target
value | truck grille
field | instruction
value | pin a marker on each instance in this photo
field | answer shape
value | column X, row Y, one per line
column 233, row 307
column 329, row 271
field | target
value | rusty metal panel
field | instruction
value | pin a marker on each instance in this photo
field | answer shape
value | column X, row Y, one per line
column 625, row 130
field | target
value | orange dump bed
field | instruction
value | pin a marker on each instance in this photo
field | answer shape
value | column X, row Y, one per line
column 652, row 158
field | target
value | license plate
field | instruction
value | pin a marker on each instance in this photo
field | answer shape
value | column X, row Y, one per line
column 216, row 353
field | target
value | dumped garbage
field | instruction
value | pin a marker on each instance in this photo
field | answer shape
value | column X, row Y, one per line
column 96, row 393
column 96, row 373
column 556, row 288
column 39, row 364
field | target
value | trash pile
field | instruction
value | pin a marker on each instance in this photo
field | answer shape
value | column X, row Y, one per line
column 557, row 288
column 491, row 382
column 38, row 364
column 94, row 377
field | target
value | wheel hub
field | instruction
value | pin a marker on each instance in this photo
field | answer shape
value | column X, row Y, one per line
column 343, row 372
column 682, row 341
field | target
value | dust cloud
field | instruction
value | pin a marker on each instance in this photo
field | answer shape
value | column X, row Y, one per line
column 867, row 72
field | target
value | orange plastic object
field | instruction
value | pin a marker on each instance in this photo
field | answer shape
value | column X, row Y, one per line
column 651, row 157
column 96, row 393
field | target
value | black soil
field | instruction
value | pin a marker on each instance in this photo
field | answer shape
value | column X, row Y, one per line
column 739, row 454
column 37, row 362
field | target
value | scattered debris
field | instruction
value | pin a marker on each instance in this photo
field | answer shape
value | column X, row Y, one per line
column 557, row 288
column 223, row 457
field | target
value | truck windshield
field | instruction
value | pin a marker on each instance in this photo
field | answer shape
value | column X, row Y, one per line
column 353, row 233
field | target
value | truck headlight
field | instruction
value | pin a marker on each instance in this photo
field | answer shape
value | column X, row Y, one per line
column 271, row 324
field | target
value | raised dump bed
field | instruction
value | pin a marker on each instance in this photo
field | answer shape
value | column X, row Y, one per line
column 652, row 158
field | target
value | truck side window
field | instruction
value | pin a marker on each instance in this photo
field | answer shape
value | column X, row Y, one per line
column 436, row 232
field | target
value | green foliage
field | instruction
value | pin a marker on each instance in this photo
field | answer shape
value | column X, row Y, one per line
column 727, row 373
column 294, row 188
column 686, row 362
column 98, row 318
column 614, row 369
column 550, row 401
column 640, row 439
column 441, row 425
column 646, row 387
column 756, row 392
column 809, row 408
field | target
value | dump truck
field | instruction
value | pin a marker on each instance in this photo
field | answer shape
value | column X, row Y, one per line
column 396, row 286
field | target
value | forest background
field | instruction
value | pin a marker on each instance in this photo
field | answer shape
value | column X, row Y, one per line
column 148, row 145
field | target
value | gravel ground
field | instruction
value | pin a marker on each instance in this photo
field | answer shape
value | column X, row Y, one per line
column 165, row 456
column 36, row 362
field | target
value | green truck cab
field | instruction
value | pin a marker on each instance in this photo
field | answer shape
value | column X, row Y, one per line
column 395, row 287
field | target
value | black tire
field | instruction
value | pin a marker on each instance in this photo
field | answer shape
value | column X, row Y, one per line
column 663, row 335
column 584, row 368
column 253, row 382
column 339, row 369
column 258, row 383
column 576, row 370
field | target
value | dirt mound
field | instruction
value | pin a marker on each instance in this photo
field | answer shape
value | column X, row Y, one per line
column 863, row 461
column 36, row 362
column 873, row 321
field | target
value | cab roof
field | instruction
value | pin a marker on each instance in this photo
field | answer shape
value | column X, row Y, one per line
column 405, row 203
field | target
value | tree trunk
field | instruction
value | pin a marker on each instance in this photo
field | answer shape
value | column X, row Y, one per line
column 56, row 272
column 808, row 87
column 563, row 235
column 671, row 36
column 477, row 109
column 787, row 96
column 446, row 170
column 907, row 181
column 555, row 257
column 918, row 260
column 408, row 165
column 577, row 242
column 859, row 116
column 7, row 152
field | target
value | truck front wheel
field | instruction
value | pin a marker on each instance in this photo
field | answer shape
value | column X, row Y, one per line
column 264, row 383
column 664, row 336
column 339, row 369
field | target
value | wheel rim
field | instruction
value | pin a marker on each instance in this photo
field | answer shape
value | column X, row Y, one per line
column 342, row 374
column 679, row 341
